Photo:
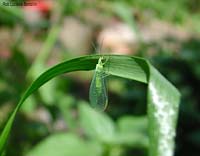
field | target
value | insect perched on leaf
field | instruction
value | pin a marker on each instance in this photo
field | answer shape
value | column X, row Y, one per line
column 98, row 91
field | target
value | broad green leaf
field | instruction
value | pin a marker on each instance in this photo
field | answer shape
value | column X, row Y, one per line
column 65, row 145
column 163, row 97
column 133, row 139
column 133, row 124
column 132, row 131
column 97, row 125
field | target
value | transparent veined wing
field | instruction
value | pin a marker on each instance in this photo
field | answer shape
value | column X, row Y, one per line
column 98, row 91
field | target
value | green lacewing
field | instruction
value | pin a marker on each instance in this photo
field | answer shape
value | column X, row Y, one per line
column 98, row 91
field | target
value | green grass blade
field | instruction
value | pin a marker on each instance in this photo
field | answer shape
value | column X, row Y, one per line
column 163, row 103
column 163, row 97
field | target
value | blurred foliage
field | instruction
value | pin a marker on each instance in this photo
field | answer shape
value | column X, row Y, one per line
column 37, row 127
column 176, row 11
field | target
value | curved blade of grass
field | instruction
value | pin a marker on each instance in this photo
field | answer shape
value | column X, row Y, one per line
column 163, row 97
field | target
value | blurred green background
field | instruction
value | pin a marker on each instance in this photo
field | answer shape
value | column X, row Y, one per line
column 57, row 119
